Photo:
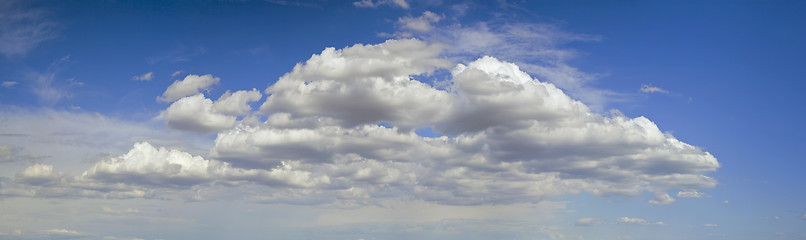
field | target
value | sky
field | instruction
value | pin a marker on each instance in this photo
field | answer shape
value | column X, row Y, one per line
column 402, row 119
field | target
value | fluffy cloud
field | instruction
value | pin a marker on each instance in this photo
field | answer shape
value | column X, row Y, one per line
column 343, row 128
column 236, row 103
column 191, row 85
column 200, row 114
column 197, row 114
column 363, row 84
column 160, row 167
column 661, row 198
column 145, row 77
column 513, row 138
column 38, row 174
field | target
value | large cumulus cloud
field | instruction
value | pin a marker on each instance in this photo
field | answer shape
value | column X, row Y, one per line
column 508, row 137
column 344, row 127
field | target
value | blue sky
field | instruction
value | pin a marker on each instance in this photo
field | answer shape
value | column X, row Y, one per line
column 396, row 119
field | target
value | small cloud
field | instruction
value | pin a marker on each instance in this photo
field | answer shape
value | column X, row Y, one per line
column 145, row 77
column 637, row 221
column 73, row 82
column 373, row 4
column 726, row 202
column 662, row 198
column 711, row 225
column 8, row 84
column 176, row 73
column 690, row 194
column 65, row 233
column 588, row 222
column 652, row 89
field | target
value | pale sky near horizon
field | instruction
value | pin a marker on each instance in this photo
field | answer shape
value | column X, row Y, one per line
column 402, row 119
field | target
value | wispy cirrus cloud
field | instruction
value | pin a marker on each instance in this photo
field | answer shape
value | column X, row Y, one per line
column 646, row 88
column 23, row 29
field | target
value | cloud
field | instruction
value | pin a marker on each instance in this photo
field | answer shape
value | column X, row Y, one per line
column 588, row 222
column 170, row 168
column 65, row 234
column 23, row 29
column 536, row 48
column 711, row 225
column 144, row 77
column 191, row 85
column 8, row 84
column 196, row 114
column 661, row 198
column 651, row 89
column 362, row 103
column 45, row 86
column 690, row 194
column 237, row 103
column 376, row 3
column 38, row 174
column 421, row 23
column 8, row 153
column 637, row 221
column 342, row 128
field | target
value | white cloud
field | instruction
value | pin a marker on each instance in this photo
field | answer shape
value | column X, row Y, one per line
column 38, row 174
column 536, row 48
column 421, row 23
column 23, row 29
column 176, row 73
column 661, row 198
column 533, row 139
column 160, row 167
column 363, row 84
column 191, row 85
column 8, row 84
column 711, row 225
column 144, row 77
column 690, row 194
column 196, row 114
column 237, row 103
column 376, row 3
column 638, row 221
column 341, row 129
column 652, row 89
